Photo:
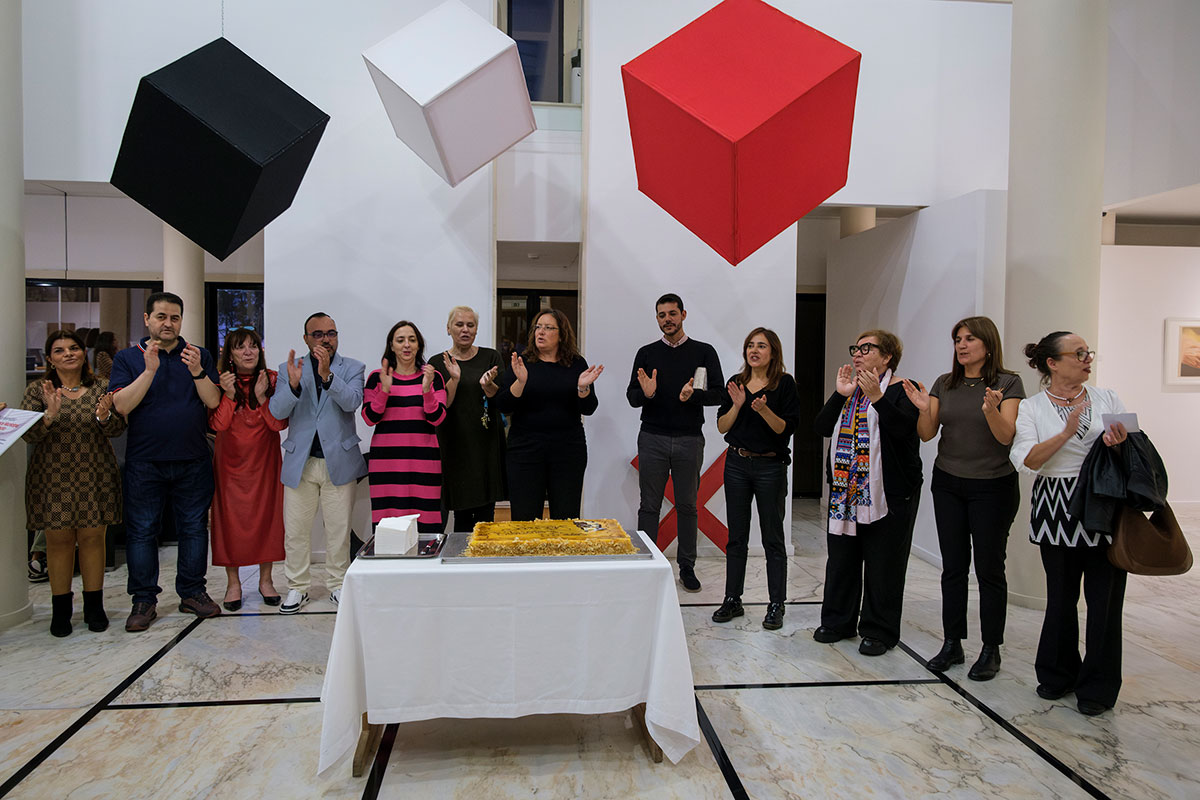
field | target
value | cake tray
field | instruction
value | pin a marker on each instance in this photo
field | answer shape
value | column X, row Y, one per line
column 452, row 553
column 429, row 545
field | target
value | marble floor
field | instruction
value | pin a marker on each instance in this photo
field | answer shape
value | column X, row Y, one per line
column 228, row 708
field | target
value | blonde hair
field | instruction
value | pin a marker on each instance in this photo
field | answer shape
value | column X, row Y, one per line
column 463, row 309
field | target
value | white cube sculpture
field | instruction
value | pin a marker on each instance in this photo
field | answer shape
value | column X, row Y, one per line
column 396, row 535
column 452, row 86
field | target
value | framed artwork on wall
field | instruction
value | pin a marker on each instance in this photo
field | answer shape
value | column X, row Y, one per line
column 1181, row 352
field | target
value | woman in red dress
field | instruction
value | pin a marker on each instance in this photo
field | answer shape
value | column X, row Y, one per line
column 247, row 511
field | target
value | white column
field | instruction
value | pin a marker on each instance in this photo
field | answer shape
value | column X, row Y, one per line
column 14, row 587
column 856, row 219
column 1108, row 228
column 183, row 274
column 1055, row 182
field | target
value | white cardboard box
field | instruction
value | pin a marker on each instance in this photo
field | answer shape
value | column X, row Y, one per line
column 396, row 535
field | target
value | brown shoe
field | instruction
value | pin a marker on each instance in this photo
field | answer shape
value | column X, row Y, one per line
column 201, row 605
column 141, row 617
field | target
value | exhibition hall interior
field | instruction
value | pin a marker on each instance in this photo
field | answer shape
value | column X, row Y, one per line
column 942, row 180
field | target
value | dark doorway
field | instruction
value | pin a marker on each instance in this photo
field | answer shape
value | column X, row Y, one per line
column 808, row 471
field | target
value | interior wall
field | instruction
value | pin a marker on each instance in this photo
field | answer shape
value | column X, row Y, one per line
column 539, row 186
column 917, row 276
column 1140, row 287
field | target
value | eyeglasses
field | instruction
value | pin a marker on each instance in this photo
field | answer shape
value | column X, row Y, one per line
column 545, row 327
column 1081, row 354
column 322, row 334
column 865, row 348
column 241, row 328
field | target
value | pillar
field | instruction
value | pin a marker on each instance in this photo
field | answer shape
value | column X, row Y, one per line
column 183, row 274
column 1055, row 182
column 856, row 219
column 1108, row 228
column 114, row 314
column 14, row 586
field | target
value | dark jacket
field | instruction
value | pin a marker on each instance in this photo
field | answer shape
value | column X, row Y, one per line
column 1132, row 474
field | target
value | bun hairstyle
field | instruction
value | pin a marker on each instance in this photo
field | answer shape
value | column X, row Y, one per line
column 1040, row 354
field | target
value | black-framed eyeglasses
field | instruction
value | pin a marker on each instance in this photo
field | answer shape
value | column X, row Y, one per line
column 1081, row 354
column 323, row 334
column 865, row 348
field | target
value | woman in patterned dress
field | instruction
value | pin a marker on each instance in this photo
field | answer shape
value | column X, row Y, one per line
column 247, row 511
column 405, row 400
column 73, row 486
column 1056, row 429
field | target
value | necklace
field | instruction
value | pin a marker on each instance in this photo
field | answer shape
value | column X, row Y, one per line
column 73, row 389
column 1066, row 399
column 971, row 385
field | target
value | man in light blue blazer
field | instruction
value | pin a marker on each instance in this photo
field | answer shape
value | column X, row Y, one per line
column 321, row 458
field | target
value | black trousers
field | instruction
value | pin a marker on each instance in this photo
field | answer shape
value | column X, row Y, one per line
column 1097, row 676
column 867, row 570
column 543, row 469
column 763, row 481
column 974, row 512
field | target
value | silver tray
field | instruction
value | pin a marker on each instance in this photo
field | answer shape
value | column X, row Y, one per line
column 452, row 553
column 429, row 545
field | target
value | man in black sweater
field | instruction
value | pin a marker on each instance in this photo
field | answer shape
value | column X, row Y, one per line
column 669, row 387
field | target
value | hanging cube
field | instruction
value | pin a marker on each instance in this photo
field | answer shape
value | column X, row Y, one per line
column 452, row 86
column 741, row 123
column 216, row 146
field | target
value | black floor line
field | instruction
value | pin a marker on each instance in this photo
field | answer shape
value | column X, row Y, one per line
column 814, row 684
column 236, row 614
column 718, row 750
column 379, row 765
column 755, row 603
column 1014, row 731
column 88, row 715
column 265, row 701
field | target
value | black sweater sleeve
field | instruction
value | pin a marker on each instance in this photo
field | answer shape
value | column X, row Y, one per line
column 826, row 420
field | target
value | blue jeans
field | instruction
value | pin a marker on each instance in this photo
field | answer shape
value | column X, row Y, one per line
column 147, row 485
column 763, row 481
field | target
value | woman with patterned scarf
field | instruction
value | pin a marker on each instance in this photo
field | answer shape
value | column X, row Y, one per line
column 874, row 473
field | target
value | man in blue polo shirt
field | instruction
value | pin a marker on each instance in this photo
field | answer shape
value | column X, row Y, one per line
column 164, row 387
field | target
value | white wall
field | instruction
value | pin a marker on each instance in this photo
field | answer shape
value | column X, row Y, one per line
column 1153, row 98
column 917, row 276
column 539, row 187
column 1139, row 288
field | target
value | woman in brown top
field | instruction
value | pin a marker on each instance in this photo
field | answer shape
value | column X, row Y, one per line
column 72, row 487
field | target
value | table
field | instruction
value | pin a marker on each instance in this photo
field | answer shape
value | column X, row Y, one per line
column 417, row 639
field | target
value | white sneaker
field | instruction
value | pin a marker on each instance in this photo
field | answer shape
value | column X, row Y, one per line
column 336, row 596
column 294, row 601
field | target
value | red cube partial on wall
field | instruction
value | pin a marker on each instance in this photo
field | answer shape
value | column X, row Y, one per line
column 741, row 123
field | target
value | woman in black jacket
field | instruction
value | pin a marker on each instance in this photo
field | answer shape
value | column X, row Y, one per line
column 874, row 474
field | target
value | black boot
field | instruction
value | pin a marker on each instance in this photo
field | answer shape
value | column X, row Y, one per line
column 732, row 607
column 93, row 611
column 950, row 654
column 60, row 622
column 987, row 665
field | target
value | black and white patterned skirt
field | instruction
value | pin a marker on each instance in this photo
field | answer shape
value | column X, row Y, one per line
column 1049, row 520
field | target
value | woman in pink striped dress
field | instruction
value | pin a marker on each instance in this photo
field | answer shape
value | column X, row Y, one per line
column 404, row 400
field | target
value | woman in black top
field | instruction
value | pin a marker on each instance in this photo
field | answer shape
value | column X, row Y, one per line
column 758, row 417
column 874, row 474
column 545, row 392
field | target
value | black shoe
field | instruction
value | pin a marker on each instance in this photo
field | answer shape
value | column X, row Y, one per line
column 773, row 621
column 687, row 576
column 872, row 647
column 61, row 610
column 1090, row 708
column 732, row 607
column 233, row 605
column 1047, row 693
column 93, row 611
column 950, row 654
column 826, row 635
column 270, row 599
column 987, row 665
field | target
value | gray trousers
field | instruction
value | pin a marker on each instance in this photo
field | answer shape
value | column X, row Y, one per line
column 681, row 458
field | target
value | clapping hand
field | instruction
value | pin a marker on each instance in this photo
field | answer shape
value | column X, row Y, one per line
column 588, row 377
column 519, row 369
column 104, row 407
column 151, row 356
column 385, row 376
column 191, row 359
column 868, row 381
column 427, row 373
column 229, row 384
column 991, row 400
column 261, row 385
column 52, row 397
column 917, row 395
column 845, row 380
column 688, row 389
column 452, row 367
column 323, row 359
column 649, row 383
column 489, row 376
column 737, row 393
column 294, row 369
column 759, row 403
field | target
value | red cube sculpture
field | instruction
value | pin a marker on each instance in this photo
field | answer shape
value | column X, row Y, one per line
column 741, row 123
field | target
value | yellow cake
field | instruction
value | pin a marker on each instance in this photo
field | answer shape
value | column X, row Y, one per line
column 549, row 537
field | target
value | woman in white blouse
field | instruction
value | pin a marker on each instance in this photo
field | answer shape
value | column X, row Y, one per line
column 1056, row 429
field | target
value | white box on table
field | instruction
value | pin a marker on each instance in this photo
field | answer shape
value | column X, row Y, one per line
column 396, row 535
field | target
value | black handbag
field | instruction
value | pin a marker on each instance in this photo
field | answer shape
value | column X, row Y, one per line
column 1149, row 546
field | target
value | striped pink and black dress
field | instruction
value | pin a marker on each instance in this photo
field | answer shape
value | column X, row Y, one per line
column 405, row 465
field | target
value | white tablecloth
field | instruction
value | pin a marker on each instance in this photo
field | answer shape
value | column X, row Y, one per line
column 418, row 639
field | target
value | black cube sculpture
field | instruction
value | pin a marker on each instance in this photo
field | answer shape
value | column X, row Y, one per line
column 216, row 146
